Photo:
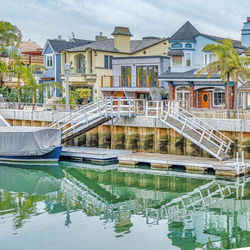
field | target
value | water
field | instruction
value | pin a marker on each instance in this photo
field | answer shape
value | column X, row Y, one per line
column 70, row 207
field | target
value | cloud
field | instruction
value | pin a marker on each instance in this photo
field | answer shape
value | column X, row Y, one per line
column 44, row 19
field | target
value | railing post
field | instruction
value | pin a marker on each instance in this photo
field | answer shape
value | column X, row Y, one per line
column 119, row 106
column 111, row 81
column 129, row 102
column 146, row 108
column 162, row 107
column 111, row 107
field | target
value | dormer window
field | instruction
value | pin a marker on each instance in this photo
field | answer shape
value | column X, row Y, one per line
column 188, row 59
column 176, row 45
column 188, row 45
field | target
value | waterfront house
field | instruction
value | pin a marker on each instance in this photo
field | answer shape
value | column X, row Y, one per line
column 93, row 62
column 187, row 58
column 136, row 77
column 52, row 59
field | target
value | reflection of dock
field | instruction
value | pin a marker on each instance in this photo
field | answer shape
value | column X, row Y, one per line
column 191, row 164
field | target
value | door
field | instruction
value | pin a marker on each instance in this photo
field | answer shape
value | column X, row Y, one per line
column 205, row 100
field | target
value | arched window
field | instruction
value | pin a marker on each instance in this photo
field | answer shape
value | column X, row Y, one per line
column 188, row 45
column 80, row 64
column 176, row 45
column 182, row 93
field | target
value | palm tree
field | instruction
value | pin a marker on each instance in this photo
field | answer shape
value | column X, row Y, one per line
column 228, row 64
column 30, row 81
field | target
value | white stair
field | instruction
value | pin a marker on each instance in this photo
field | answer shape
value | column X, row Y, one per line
column 196, row 130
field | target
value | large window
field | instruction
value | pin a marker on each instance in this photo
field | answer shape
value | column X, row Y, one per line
column 182, row 93
column 49, row 61
column 177, row 61
column 219, row 97
column 126, row 76
column 80, row 64
column 145, row 74
column 108, row 62
column 188, row 59
column 209, row 58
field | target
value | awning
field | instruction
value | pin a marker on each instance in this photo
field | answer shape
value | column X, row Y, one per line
column 175, row 52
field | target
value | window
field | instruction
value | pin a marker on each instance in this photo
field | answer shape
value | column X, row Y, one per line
column 177, row 61
column 209, row 58
column 126, row 76
column 182, row 94
column 49, row 61
column 108, row 62
column 188, row 45
column 144, row 52
column 219, row 97
column 145, row 74
column 80, row 64
column 176, row 45
column 188, row 59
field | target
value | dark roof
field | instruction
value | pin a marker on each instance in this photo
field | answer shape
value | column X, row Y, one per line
column 191, row 74
column 236, row 44
column 186, row 33
column 175, row 52
column 121, row 31
column 58, row 45
column 108, row 45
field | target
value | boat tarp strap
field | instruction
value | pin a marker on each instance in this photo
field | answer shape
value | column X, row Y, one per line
column 28, row 141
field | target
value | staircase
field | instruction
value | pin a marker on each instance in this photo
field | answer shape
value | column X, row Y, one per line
column 196, row 130
column 91, row 116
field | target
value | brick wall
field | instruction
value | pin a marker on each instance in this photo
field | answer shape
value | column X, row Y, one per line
column 171, row 93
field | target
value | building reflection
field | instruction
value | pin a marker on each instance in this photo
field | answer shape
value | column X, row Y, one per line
column 205, row 212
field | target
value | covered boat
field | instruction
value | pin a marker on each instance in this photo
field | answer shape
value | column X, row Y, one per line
column 30, row 144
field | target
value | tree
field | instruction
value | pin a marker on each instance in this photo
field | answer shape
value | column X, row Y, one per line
column 84, row 95
column 10, row 35
column 228, row 63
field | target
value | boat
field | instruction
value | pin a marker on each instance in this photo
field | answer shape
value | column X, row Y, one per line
column 22, row 145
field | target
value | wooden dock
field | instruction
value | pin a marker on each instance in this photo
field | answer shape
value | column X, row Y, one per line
column 96, row 155
column 191, row 164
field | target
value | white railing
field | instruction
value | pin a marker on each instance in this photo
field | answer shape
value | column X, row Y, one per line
column 200, row 127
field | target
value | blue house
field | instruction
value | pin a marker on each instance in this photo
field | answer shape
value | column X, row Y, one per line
column 187, row 58
column 52, row 59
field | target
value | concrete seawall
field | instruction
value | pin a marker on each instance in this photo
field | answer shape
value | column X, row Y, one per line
column 139, row 134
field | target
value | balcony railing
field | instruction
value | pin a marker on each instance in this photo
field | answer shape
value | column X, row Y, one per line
column 108, row 81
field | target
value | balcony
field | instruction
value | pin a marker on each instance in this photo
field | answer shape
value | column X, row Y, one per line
column 110, row 83
column 80, row 75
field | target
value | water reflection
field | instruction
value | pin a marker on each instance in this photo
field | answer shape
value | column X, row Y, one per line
column 205, row 212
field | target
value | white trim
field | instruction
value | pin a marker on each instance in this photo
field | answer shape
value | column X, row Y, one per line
column 221, row 91
column 47, row 42
column 191, row 59
column 46, row 55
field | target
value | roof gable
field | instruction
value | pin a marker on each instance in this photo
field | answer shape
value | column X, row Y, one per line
column 187, row 32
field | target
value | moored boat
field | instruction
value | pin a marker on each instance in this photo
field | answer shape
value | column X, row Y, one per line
column 30, row 145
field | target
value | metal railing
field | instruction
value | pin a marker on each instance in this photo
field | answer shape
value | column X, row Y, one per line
column 200, row 127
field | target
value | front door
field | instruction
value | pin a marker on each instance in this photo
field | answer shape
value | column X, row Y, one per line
column 205, row 99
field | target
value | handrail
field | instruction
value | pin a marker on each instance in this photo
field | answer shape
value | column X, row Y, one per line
column 205, row 123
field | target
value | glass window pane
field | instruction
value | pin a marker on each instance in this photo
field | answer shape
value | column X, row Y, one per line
column 155, row 74
column 144, row 75
column 106, row 61
column 177, row 61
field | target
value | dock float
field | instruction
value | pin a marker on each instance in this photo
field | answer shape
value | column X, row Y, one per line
column 95, row 155
column 190, row 163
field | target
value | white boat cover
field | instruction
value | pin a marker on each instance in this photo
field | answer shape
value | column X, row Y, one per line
column 28, row 141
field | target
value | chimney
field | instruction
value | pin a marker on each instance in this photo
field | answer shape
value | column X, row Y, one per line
column 122, row 37
column 100, row 37
column 248, row 19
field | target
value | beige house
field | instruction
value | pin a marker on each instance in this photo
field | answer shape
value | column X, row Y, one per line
column 89, row 63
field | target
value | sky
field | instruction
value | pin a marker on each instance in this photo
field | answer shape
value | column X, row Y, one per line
column 39, row 20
